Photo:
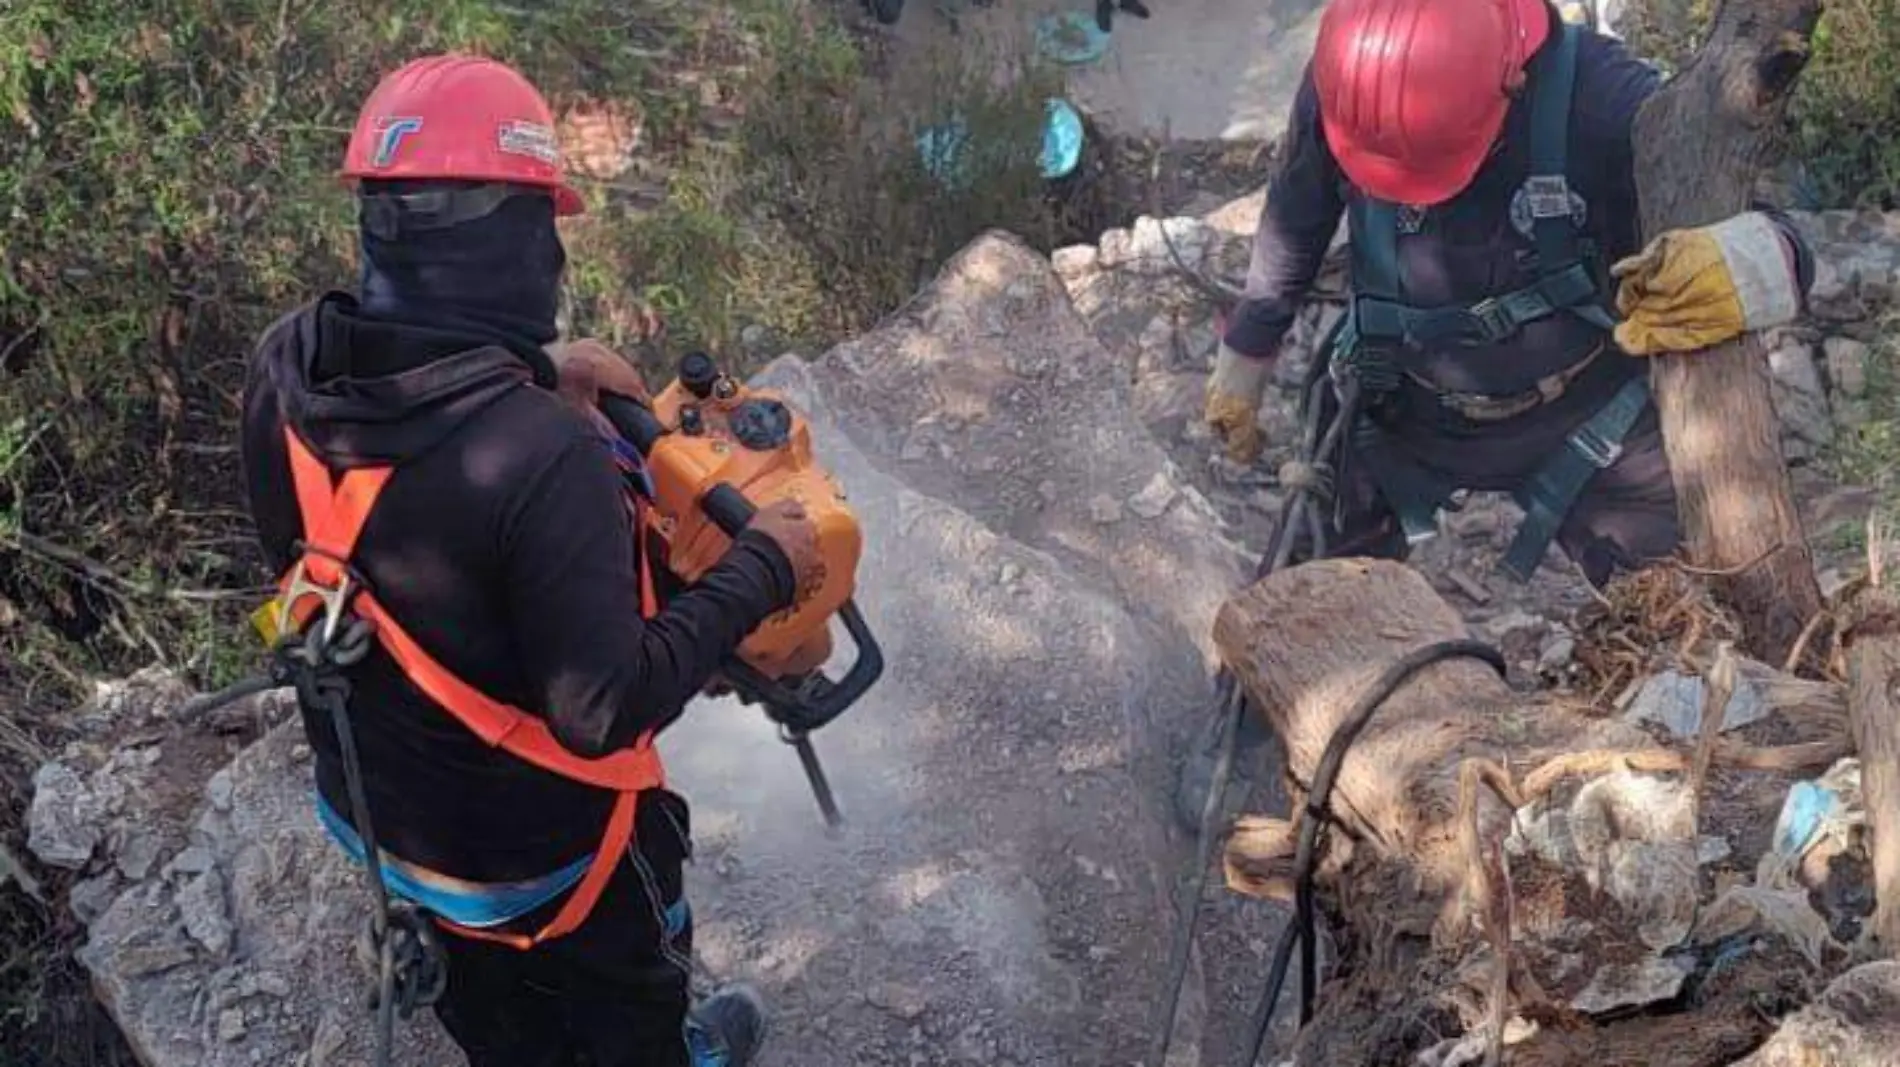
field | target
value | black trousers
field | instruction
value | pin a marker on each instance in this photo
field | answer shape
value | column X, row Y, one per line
column 613, row 993
column 1624, row 519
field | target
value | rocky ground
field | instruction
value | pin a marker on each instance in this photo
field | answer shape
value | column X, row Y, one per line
column 1050, row 534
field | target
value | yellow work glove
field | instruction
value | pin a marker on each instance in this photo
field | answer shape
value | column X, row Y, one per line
column 1691, row 289
column 1233, row 402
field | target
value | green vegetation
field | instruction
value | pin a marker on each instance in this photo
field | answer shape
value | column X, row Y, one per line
column 1847, row 114
column 167, row 170
column 1846, row 111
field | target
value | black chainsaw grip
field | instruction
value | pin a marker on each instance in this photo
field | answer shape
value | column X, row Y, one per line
column 633, row 420
column 815, row 701
column 727, row 508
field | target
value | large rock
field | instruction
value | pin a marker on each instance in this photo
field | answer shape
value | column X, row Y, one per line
column 997, row 894
column 992, row 394
column 240, row 951
column 1855, row 1023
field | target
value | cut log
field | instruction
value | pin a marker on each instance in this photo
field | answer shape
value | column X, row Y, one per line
column 1700, row 144
column 1872, row 643
column 1405, row 900
column 1308, row 640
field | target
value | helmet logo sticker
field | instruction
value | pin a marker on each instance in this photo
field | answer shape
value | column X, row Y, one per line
column 530, row 139
column 389, row 135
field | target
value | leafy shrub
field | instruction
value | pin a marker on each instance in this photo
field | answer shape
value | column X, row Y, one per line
column 167, row 173
column 1846, row 112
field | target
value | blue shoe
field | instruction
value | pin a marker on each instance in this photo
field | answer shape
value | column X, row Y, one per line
column 727, row 1028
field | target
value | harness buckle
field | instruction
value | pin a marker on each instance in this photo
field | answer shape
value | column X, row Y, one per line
column 1492, row 318
column 1548, row 196
column 1601, row 452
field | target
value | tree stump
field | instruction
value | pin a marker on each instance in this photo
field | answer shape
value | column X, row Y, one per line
column 1412, row 876
column 1871, row 637
column 1700, row 144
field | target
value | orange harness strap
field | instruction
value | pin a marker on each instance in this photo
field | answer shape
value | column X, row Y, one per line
column 333, row 517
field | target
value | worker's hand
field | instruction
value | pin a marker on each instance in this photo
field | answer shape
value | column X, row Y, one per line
column 587, row 368
column 1692, row 289
column 786, row 523
column 1233, row 402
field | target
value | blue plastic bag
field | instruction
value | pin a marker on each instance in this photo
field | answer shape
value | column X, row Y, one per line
column 942, row 146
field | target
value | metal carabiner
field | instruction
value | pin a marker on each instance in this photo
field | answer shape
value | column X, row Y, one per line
column 335, row 600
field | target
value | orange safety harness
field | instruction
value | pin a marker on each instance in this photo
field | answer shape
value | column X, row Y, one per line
column 334, row 511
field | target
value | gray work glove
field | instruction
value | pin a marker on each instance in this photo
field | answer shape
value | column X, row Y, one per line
column 1234, row 392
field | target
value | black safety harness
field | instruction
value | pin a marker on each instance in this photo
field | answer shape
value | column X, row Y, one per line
column 1380, row 325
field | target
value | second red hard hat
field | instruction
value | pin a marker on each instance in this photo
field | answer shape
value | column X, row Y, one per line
column 1413, row 93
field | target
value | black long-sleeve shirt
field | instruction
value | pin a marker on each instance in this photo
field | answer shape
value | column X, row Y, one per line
column 501, row 544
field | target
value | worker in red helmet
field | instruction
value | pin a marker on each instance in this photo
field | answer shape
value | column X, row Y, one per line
column 408, row 453
column 1501, row 299
column 1480, row 151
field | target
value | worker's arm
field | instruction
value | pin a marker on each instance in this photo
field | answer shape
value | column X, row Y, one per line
column 1297, row 224
column 605, row 675
column 1689, row 289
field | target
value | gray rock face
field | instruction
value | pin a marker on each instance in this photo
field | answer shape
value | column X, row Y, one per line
column 237, row 951
column 1800, row 399
column 62, row 827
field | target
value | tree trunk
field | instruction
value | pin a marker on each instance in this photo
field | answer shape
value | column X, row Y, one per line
column 1304, row 643
column 1700, row 144
column 1872, row 641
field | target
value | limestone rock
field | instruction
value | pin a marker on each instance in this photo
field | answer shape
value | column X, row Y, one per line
column 1799, row 398
column 1854, row 1023
column 62, row 823
column 997, row 300
column 264, row 877
column 201, row 905
column 1847, row 365
column 1075, row 260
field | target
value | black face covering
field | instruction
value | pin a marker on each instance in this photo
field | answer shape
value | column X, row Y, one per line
column 496, row 277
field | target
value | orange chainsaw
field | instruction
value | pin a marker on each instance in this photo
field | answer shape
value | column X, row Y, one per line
column 705, row 454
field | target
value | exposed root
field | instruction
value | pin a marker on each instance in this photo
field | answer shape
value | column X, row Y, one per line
column 1661, row 615
column 1726, row 752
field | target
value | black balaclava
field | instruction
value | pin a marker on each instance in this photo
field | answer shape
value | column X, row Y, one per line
column 496, row 277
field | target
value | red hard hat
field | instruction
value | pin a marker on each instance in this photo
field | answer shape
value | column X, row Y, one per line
column 1412, row 93
column 459, row 117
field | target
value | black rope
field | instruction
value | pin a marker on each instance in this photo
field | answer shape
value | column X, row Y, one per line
column 1301, row 511
column 1188, row 909
column 1301, row 926
column 411, row 965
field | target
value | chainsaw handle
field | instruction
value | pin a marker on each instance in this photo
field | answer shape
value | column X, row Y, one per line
column 817, row 700
column 632, row 420
column 725, row 506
